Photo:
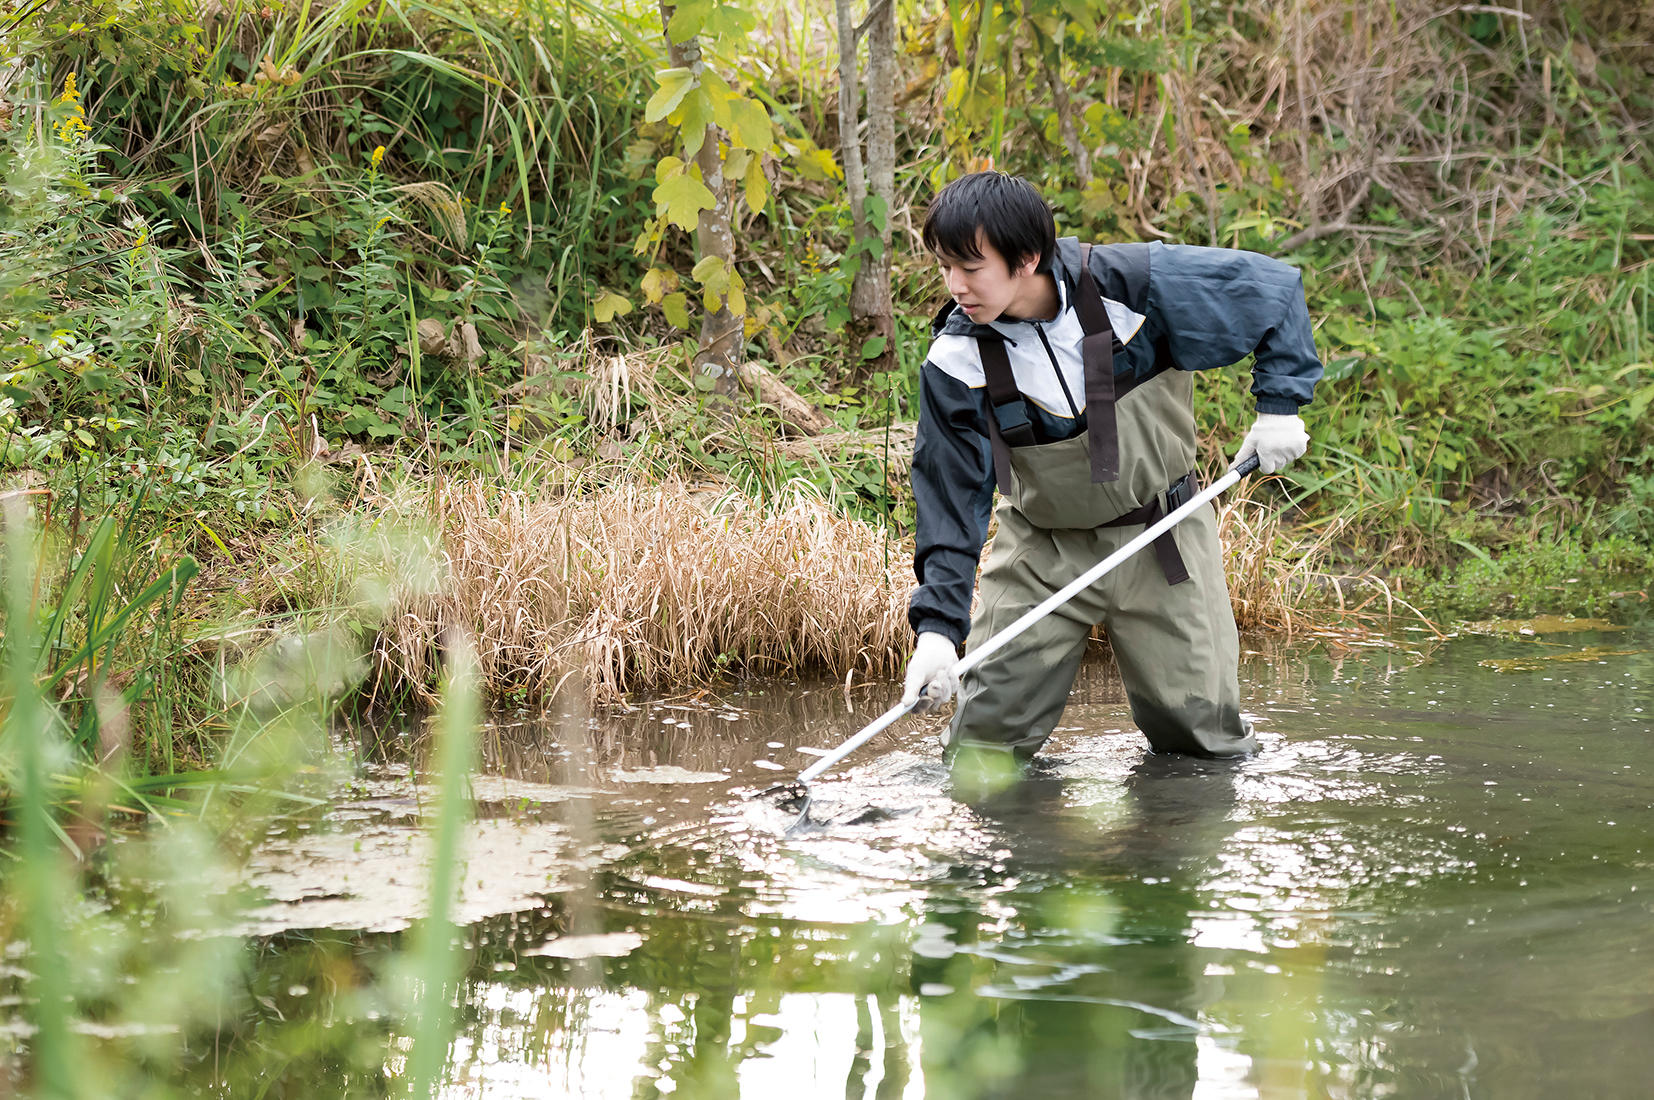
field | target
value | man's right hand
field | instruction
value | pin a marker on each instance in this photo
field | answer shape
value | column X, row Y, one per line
column 930, row 678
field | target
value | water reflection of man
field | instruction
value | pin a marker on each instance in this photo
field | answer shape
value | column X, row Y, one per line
column 1082, row 979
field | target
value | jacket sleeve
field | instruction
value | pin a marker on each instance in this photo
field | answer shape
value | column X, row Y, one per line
column 1211, row 307
column 953, row 486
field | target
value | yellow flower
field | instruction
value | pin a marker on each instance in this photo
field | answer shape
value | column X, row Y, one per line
column 504, row 209
column 72, row 129
column 378, row 155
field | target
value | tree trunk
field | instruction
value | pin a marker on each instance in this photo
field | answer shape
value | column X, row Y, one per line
column 1051, row 63
column 849, row 115
column 872, row 313
column 717, row 362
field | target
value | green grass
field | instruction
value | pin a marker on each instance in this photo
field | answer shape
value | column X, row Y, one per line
column 236, row 285
column 135, row 941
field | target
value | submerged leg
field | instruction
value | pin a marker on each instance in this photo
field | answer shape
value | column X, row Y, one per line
column 1177, row 647
column 1013, row 700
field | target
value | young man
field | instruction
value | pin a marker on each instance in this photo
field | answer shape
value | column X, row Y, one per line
column 1060, row 373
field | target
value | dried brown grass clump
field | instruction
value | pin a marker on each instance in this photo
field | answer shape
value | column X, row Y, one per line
column 1396, row 100
column 1266, row 584
column 652, row 587
column 1415, row 123
column 649, row 587
column 1279, row 580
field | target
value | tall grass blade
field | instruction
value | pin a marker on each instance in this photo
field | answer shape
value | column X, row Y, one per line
column 169, row 582
column 96, row 553
column 436, row 961
column 28, row 738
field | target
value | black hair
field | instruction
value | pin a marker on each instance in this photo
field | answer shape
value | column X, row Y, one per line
column 1005, row 209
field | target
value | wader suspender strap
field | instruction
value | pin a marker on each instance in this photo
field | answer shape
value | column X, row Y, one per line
column 1097, row 350
column 1008, row 424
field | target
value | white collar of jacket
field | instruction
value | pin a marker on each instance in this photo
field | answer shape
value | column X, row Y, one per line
column 954, row 350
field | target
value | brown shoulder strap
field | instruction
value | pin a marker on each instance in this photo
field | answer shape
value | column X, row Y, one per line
column 1008, row 424
column 1097, row 350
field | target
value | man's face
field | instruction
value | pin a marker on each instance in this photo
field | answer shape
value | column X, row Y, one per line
column 985, row 288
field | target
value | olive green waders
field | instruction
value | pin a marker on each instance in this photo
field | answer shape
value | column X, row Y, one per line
column 1175, row 644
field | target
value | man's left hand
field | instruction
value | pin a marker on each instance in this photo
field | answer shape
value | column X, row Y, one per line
column 1276, row 438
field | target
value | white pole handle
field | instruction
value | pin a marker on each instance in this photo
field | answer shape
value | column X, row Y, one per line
column 1035, row 614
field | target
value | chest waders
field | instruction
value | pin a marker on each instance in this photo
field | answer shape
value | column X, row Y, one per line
column 1067, row 505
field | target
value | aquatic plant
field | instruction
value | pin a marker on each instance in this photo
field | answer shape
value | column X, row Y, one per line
column 122, row 942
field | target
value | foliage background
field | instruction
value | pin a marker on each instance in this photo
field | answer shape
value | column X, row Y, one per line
column 290, row 289
column 262, row 256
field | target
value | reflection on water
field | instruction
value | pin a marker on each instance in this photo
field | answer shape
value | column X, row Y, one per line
column 1436, row 881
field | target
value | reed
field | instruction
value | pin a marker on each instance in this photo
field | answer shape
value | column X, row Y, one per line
column 30, row 742
column 639, row 587
column 648, row 586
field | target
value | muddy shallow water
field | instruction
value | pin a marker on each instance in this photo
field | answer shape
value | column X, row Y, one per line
column 1437, row 880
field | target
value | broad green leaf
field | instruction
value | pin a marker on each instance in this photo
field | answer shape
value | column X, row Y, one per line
column 681, row 199
column 719, row 95
column 873, row 347
column 878, row 213
column 609, row 305
column 1640, row 402
column 688, row 19
column 749, row 124
column 676, row 308
column 693, row 117
column 674, row 85
column 713, row 275
column 729, row 21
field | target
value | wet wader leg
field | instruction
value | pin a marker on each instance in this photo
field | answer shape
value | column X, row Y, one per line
column 1177, row 647
column 1014, row 699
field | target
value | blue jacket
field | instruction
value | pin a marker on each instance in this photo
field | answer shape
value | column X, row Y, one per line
column 1172, row 307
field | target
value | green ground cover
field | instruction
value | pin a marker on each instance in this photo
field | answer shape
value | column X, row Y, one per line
column 255, row 258
column 265, row 266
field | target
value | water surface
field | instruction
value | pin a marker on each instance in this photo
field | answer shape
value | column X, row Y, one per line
column 1437, row 880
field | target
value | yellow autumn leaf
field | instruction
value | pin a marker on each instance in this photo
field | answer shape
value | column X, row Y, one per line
column 657, row 282
column 681, row 199
column 749, row 124
column 608, row 305
column 674, row 85
column 757, row 186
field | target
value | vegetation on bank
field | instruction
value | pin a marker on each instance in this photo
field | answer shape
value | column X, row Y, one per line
column 325, row 326
column 262, row 260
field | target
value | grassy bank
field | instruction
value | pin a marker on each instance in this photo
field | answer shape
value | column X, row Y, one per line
column 307, row 296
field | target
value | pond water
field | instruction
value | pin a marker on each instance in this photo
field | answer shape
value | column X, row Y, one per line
column 1436, row 880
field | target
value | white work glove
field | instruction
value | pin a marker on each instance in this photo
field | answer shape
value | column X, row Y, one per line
column 1276, row 438
column 930, row 678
